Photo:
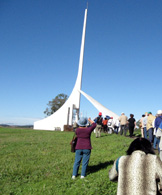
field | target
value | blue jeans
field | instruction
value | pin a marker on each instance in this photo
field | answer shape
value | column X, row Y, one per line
column 116, row 128
column 83, row 155
column 123, row 128
column 145, row 132
column 156, row 142
column 150, row 131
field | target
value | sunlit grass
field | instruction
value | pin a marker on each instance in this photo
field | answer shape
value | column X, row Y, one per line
column 40, row 162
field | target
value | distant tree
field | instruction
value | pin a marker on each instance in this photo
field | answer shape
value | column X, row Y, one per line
column 55, row 104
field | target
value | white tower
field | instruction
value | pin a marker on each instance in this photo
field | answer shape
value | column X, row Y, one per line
column 64, row 116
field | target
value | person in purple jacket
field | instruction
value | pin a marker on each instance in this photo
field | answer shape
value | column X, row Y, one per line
column 83, row 146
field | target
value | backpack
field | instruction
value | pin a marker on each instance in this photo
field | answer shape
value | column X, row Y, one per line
column 99, row 120
column 159, row 131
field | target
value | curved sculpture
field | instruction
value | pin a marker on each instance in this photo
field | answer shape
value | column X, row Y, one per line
column 105, row 111
column 65, row 115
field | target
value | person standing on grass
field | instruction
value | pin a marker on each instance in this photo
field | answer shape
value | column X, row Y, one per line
column 132, row 125
column 123, row 124
column 137, row 172
column 158, row 120
column 104, row 122
column 142, row 125
column 83, row 146
column 149, row 126
column 116, row 126
column 99, row 124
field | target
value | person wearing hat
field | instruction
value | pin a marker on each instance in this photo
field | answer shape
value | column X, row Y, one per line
column 131, row 125
column 149, row 125
column 99, row 124
column 83, row 145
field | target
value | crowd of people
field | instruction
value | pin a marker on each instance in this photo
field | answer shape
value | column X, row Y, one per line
column 140, row 168
column 126, row 123
column 122, row 123
column 149, row 125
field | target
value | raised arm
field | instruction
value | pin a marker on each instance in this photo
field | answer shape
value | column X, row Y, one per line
column 89, row 119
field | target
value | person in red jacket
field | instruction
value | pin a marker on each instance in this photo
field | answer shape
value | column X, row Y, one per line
column 104, row 122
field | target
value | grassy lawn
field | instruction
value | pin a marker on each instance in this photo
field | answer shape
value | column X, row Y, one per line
column 40, row 162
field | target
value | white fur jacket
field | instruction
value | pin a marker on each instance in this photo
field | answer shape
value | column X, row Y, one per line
column 137, row 174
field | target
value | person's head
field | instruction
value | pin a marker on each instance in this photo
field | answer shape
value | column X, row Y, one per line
column 149, row 113
column 131, row 115
column 82, row 122
column 100, row 114
column 140, row 144
column 143, row 115
column 122, row 113
column 159, row 112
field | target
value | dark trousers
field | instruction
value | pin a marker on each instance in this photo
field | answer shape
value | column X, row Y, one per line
column 123, row 128
column 105, row 128
column 131, row 131
column 116, row 128
column 150, row 131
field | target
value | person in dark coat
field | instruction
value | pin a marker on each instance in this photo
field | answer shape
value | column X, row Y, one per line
column 132, row 125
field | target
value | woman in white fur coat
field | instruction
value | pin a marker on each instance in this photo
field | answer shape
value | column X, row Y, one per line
column 139, row 171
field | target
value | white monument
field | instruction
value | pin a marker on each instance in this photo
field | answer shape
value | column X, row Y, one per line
column 70, row 109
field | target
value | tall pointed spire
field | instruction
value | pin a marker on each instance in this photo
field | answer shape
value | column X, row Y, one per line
column 64, row 116
column 80, row 70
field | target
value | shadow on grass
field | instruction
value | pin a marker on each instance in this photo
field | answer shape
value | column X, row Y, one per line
column 95, row 168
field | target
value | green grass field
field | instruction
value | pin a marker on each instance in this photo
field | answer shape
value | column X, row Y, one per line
column 40, row 162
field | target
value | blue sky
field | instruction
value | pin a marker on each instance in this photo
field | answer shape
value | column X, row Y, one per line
column 40, row 48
